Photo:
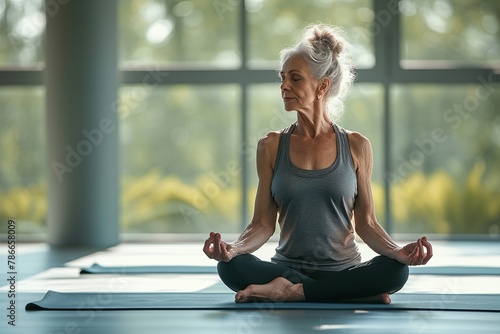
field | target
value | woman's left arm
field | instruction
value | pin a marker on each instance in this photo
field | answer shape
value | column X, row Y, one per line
column 366, row 225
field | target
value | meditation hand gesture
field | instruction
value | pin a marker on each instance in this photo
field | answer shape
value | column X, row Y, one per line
column 415, row 253
column 217, row 249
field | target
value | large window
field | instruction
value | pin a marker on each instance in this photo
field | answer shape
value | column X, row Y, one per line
column 181, row 168
column 446, row 159
column 450, row 33
column 22, row 24
column 426, row 94
column 273, row 25
column 195, row 33
column 23, row 188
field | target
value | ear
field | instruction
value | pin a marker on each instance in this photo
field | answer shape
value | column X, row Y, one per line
column 324, row 86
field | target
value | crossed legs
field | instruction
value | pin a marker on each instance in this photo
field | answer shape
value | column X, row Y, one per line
column 370, row 281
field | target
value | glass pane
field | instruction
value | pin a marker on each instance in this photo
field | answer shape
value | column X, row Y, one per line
column 22, row 26
column 178, row 31
column 276, row 24
column 23, row 186
column 363, row 113
column 446, row 162
column 456, row 32
column 180, row 149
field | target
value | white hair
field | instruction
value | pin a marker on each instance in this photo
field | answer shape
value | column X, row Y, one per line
column 326, row 51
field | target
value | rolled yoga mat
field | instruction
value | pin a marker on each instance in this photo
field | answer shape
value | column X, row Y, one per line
column 225, row 301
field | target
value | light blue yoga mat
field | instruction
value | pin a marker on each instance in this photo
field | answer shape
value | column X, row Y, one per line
column 455, row 271
column 419, row 270
column 225, row 301
column 98, row 269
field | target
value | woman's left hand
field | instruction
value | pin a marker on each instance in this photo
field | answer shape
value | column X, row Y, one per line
column 415, row 253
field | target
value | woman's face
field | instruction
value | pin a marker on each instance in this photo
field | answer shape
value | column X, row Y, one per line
column 299, row 89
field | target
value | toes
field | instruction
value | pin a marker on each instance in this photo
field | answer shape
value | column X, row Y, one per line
column 241, row 297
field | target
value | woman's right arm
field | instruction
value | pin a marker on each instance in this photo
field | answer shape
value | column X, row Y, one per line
column 263, row 223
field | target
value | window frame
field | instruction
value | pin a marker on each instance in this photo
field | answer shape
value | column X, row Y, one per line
column 389, row 69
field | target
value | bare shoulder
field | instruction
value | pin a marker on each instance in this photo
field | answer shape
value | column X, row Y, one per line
column 270, row 139
column 267, row 148
column 361, row 148
column 357, row 141
column 270, row 142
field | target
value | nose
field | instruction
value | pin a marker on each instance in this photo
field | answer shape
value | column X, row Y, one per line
column 284, row 85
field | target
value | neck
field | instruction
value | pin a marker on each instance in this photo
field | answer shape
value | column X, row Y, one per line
column 313, row 124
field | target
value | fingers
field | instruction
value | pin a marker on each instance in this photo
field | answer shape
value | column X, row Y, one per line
column 422, row 252
column 415, row 254
column 428, row 247
column 217, row 240
column 220, row 249
column 208, row 246
column 216, row 249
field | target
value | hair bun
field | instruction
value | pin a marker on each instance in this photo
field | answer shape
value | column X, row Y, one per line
column 327, row 39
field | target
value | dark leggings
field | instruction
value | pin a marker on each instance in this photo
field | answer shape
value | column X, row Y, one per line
column 379, row 275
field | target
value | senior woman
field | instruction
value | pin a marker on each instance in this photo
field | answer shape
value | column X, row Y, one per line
column 316, row 176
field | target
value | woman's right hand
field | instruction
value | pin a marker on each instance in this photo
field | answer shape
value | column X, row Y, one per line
column 217, row 249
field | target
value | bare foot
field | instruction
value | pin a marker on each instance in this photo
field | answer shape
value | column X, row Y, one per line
column 383, row 298
column 278, row 290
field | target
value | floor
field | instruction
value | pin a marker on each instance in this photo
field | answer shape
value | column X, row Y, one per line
column 40, row 268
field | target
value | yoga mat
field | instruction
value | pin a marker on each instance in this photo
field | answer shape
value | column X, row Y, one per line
column 98, row 269
column 455, row 271
column 420, row 270
column 225, row 301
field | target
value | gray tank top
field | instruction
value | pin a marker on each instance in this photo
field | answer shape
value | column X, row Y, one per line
column 315, row 210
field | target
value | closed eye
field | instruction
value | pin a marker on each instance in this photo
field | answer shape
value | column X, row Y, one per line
column 294, row 78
